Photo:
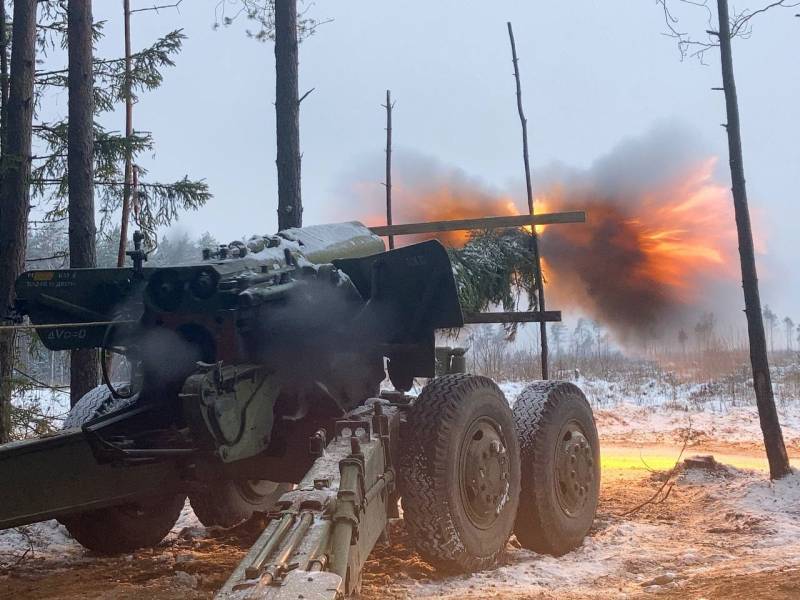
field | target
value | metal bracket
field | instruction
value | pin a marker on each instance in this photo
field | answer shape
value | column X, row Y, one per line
column 360, row 429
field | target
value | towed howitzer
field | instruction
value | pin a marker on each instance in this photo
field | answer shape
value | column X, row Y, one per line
column 253, row 385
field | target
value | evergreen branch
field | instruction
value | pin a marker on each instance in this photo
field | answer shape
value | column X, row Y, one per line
column 495, row 268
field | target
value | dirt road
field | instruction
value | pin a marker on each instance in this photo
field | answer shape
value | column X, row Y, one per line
column 719, row 534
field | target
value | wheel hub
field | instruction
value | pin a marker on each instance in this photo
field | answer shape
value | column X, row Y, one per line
column 255, row 490
column 484, row 472
column 574, row 469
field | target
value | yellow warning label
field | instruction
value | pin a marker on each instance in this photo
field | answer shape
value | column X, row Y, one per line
column 43, row 275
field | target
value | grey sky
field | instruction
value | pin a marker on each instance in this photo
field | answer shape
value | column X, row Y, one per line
column 593, row 73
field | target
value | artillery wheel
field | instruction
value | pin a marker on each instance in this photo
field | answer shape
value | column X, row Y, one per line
column 123, row 528
column 560, row 456
column 460, row 473
column 228, row 502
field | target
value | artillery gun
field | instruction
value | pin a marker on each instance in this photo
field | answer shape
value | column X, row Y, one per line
column 254, row 386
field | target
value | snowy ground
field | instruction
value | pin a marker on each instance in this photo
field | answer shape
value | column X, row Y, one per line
column 721, row 533
column 717, row 524
column 657, row 412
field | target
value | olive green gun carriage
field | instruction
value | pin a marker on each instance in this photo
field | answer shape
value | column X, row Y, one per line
column 254, row 386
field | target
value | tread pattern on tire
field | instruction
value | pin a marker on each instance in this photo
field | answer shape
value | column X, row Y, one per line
column 117, row 529
column 221, row 503
column 94, row 403
column 425, row 503
column 533, row 411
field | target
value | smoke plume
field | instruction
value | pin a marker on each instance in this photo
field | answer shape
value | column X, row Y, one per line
column 658, row 248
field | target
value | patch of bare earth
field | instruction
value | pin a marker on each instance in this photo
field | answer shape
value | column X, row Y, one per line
column 720, row 533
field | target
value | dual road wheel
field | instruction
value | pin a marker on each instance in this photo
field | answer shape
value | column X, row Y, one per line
column 474, row 471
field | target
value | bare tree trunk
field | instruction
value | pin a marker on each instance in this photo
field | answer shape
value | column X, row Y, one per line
column 768, row 415
column 287, row 113
column 126, row 189
column 388, row 183
column 534, row 244
column 15, row 191
column 80, row 171
column 3, row 76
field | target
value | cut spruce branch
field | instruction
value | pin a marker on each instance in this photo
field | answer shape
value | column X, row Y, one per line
column 495, row 268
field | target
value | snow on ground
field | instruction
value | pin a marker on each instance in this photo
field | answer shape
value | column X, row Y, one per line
column 716, row 523
column 728, row 522
column 51, row 540
column 657, row 411
column 48, row 538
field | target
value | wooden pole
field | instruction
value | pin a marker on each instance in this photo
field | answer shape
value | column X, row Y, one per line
column 388, row 106
column 135, row 194
column 513, row 317
column 534, row 243
column 480, row 223
column 126, row 188
column 765, row 400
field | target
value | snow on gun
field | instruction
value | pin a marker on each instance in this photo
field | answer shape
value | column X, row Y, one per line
column 261, row 364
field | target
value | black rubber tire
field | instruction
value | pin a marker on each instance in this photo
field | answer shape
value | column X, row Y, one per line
column 124, row 528
column 434, row 507
column 226, row 503
column 94, row 403
column 541, row 413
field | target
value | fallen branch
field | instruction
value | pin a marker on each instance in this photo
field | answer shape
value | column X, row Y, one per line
column 655, row 499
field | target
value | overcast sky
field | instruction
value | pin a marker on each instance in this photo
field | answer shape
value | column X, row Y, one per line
column 593, row 73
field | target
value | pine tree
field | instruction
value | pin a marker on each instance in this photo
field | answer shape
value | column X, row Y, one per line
column 157, row 204
column 771, row 319
column 15, row 192
column 84, row 371
column 789, row 325
column 278, row 20
column 101, row 167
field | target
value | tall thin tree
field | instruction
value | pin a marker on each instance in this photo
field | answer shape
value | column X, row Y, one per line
column 740, row 25
column 765, row 400
column 128, row 182
column 15, row 192
column 278, row 21
column 534, row 242
column 3, row 73
column 388, row 184
column 287, row 115
column 80, row 171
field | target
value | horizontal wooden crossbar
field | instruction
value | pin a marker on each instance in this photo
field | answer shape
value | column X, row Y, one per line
column 482, row 223
column 513, row 317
